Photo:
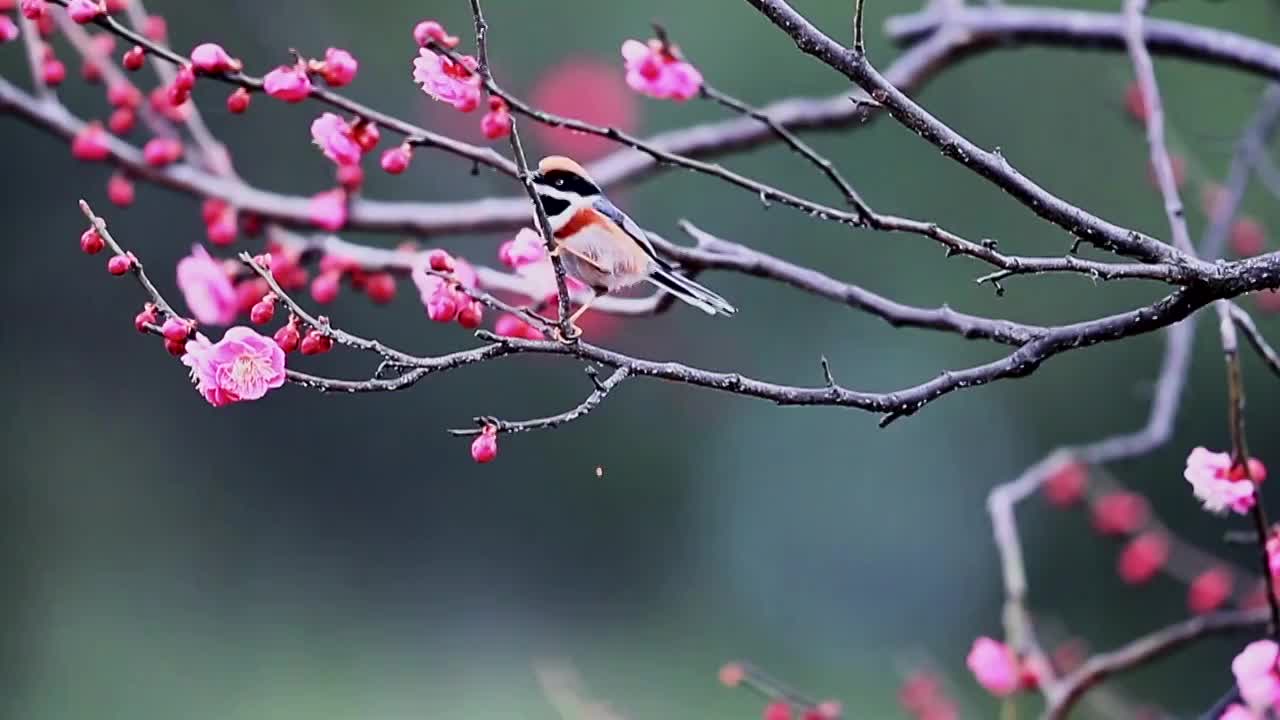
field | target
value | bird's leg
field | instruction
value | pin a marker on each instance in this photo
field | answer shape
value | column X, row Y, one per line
column 596, row 294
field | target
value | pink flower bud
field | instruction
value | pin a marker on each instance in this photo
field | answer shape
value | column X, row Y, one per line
column 508, row 325
column 339, row 67
column 262, row 312
column 485, row 447
column 120, row 190
column 223, row 230
column 1209, row 590
column 176, row 329
column 324, row 288
column 350, row 177
column 176, row 348
column 90, row 143
column 471, row 316
column 122, row 121
column 212, row 58
column 440, row 261
column 287, row 338
column 91, row 242
column 33, row 9
column 994, row 666
column 176, row 96
column 53, row 72
column 328, row 210
column 162, row 151
column 1066, row 485
column 155, row 28
column 124, row 95
column 119, row 264
column 441, row 306
column 1143, row 557
column 287, row 83
column 428, row 30
column 366, row 135
column 1119, row 513
column 380, row 287
column 185, row 78
column 145, row 318
column 83, row 11
column 8, row 29
column 496, row 124
column 396, row 160
column 134, row 58
column 238, row 101
column 777, row 710
column 115, row 6
column 316, row 343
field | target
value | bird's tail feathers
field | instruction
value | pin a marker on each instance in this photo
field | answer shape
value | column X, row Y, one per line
column 692, row 293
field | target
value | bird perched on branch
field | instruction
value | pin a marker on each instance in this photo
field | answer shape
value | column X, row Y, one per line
column 601, row 246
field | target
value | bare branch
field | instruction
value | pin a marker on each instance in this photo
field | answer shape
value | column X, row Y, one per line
column 602, row 388
column 1255, row 338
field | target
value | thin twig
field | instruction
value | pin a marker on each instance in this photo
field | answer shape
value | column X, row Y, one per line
column 1251, row 333
column 602, row 388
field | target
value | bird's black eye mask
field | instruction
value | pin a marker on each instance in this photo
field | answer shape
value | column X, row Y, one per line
column 567, row 181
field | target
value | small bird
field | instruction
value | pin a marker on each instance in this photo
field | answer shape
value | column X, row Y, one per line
column 601, row 246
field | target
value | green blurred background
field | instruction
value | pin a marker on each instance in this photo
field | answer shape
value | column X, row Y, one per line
column 312, row 557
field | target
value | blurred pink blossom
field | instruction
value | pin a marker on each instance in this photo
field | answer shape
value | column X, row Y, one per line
column 994, row 666
column 335, row 138
column 655, row 70
column 208, row 291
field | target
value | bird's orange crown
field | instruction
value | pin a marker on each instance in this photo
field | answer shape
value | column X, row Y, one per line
column 560, row 162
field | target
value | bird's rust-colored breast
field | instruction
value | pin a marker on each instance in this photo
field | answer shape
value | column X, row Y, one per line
column 581, row 220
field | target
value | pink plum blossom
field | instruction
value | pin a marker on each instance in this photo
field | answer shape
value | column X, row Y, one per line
column 994, row 666
column 334, row 136
column 1256, row 674
column 447, row 81
column 429, row 30
column 526, row 247
column 1236, row 711
column 8, row 29
column 243, row 365
column 339, row 67
column 212, row 58
column 288, row 83
column 83, row 11
column 206, row 288
column 328, row 210
column 656, row 70
column 1215, row 484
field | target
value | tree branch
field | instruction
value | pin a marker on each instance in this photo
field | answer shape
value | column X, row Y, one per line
column 602, row 388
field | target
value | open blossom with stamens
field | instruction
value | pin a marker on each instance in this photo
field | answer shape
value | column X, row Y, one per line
column 243, row 365
column 1217, row 484
column 447, row 81
column 288, row 83
column 208, row 291
column 1257, row 676
column 335, row 138
column 656, row 69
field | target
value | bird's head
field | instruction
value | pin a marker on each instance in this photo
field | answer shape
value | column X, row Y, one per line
column 563, row 185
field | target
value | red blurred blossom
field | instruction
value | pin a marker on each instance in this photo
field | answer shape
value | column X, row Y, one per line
column 994, row 666
column 122, row 121
column 1143, row 557
column 1119, row 513
column 238, row 101
column 396, row 160
column 442, row 306
column 206, row 288
column 1267, row 301
column 366, row 135
column 120, row 190
column 777, row 710
column 115, row 6
column 248, row 292
column 919, row 691
column 288, row 83
column 120, row 264
column 350, row 177
column 447, row 81
column 1256, row 676
column 90, row 143
column 33, row 9
column 91, row 72
column 243, row 365
column 124, row 95
column 155, row 28
column 222, row 230
column 485, row 447
column 472, row 315
column 328, row 210
column 52, row 71
column 1135, row 103
column 588, row 89
column 213, row 58
column 1248, row 237
column 46, row 25
column 91, row 242
column 324, row 288
column 134, row 58
column 162, row 151
column 184, row 79
column 508, row 325
column 380, row 287
column 497, row 122
column 333, row 135
column 656, row 69
column 8, row 29
column 440, row 261
column 731, row 674
column 1209, row 590
column 1273, row 553
column 145, row 318
column 1065, row 486
column 338, row 67
column 428, row 30
column 84, row 11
